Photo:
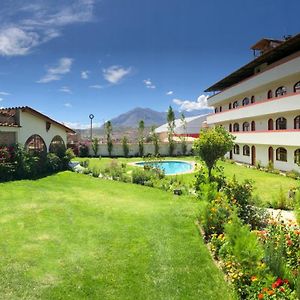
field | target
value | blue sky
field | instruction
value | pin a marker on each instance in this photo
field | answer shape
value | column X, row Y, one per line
column 72, row 58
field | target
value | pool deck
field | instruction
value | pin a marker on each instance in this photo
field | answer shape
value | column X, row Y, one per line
column 192, row 163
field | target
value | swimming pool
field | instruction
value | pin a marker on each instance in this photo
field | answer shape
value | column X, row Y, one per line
column 170, row 167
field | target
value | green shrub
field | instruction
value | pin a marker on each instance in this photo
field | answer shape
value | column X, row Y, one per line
column 95, row 171
column 243, row 245
column 215, row 215
column 293, row 174
column 83, row 150
column 282, row 201
column 53, row 163
column 85, row 163
column 140, row 176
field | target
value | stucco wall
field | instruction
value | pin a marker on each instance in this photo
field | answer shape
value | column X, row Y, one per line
column 134, row 149
column 31, row 124
column 262, row 155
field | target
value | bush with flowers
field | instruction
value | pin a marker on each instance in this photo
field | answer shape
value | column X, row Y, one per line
column 259, row 258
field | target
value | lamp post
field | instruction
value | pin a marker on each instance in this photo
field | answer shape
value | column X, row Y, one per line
column 91, row 116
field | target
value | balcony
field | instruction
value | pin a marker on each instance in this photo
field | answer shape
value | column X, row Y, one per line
column 265, row 78
column 273, row 137
column 287, row 103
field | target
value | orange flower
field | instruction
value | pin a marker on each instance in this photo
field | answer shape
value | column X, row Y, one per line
column 253, row 278
column 270, row 292
column 260, row 296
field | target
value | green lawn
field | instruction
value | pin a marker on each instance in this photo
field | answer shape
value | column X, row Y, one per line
column 71, row 236
column 266, row 185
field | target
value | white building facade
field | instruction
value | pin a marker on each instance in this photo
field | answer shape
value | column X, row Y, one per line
column 31, row 129
column 190, row 128
column 260, row 105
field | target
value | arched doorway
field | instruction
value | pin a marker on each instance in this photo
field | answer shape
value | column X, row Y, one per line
column 271, row 155
column 36, row 145
column 270, row 124
column 57, row 146
column 253, row 156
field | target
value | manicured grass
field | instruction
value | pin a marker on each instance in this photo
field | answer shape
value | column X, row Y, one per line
column 266, row 185
column 71, row 236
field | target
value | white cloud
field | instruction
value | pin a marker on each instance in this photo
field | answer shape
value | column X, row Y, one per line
column 115, row 74
column 65, row 89
column 24, row 27
column 169, row 93
column 68, row 105
column 188, row 105
column 55, row 73
column 4, row 93
column 16, row 41
column 1, row 99
column 148, row 83
column 79, row 125
column 85, row 74
column 96, row 86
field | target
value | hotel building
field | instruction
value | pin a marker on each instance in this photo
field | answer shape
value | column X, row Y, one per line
column 260, row 105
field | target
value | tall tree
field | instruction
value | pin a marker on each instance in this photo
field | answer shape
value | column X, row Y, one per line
column 183, row 136
column 95, row 145
column 108, row 131
column 171, row 128
column 155, row 140
column 212, row 145
column 125, row 146
column 141, row 137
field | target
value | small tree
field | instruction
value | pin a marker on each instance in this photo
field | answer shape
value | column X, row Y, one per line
column 183, row 137
column 212, row 145
column 125, row 146
column 95, row 145
column 171, row 128
column 155, row 140
column 141, row 137
column 108, row 130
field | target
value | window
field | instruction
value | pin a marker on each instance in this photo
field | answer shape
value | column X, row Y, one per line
column 216, row 110
column 281, row 91
column 229, row 106
column 281, row 123
column 253, row 126
column 270, row 94
column 236, row 149
column 230, row 127
column 246, row 150
column 297, row 156
column 36, row 145
column 220, row 109
column 281, row 154
column 252, row 99
column 235, row 104
column 270, row 124
column 297, row 122
column 245, row 101
column 236, row 127
column 246, row 126
column 297, row 87
column 57, row 146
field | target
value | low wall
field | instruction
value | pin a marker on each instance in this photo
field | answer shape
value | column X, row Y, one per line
column 134, row 149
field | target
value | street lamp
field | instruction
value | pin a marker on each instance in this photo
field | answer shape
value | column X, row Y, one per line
column 91, row 116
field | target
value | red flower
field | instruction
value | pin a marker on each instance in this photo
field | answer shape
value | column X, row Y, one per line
column 260, row 296
column 279, row 282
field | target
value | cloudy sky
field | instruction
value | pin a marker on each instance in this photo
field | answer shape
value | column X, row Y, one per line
column 72, row 58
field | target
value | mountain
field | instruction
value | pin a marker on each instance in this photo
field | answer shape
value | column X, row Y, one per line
column 127, row 123
column 151, row 117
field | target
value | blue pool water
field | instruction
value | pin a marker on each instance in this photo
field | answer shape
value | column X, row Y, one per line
column 169, row 167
